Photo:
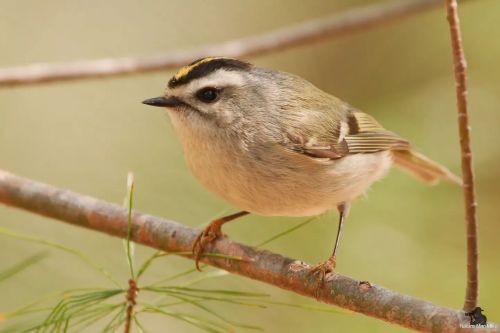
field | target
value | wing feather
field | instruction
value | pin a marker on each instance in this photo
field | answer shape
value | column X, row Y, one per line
column 358, row 133
column 370, row 137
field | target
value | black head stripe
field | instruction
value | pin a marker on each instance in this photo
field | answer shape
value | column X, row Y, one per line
column 203, row 67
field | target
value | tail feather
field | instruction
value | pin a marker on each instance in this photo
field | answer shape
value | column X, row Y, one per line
column 423, row 168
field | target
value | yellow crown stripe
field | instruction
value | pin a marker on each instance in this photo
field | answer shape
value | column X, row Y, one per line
column 187, row 69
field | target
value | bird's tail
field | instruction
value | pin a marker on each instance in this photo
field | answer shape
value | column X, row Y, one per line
column 422, row 167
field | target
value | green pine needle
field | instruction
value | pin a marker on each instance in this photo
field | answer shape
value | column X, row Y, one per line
column 21, row 266
column 139, row 325
column 287, row 231
column 206, row 325
column 149, row 261
column 215, row 314
column 129, row 204
column 58, row 246
column 116, row 320
column 75, row 306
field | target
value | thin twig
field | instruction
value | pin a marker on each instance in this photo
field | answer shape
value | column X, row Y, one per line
column 133, row 290
column 286, row 273
column 471, row 293
column 307, row 32
column 132, row 293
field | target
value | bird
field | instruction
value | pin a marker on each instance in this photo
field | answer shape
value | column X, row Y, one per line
column 272, row 144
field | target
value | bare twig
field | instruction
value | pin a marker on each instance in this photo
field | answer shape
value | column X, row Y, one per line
column 307, row 32
column 133, row 289
column 132, row 292
column 360, row 296
column 471, row 293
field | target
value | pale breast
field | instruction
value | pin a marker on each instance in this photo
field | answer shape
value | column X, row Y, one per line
column 274, row 181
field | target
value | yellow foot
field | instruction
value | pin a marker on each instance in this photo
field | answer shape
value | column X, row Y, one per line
column 321, row 270
column 206, row 237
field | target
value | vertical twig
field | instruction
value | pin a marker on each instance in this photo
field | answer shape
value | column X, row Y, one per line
column 471, row 293
column 133, row 290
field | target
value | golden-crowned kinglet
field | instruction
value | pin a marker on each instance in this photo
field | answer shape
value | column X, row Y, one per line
column 271, row 143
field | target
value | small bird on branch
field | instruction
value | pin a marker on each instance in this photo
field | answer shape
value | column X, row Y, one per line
column 273, row 144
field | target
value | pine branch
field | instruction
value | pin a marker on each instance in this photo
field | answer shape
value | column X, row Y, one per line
column 274, row 269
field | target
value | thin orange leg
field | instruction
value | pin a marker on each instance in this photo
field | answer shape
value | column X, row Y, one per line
column 210, row 234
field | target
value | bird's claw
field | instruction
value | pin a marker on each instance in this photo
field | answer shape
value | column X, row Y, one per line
column 207, row 236
column 322, row 269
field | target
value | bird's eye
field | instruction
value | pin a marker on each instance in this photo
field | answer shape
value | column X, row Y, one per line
column 208, row 95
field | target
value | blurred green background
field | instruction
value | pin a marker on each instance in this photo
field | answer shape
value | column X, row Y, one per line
column 86, row 136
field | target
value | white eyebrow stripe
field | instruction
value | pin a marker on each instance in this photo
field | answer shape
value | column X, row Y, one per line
column 219, row 78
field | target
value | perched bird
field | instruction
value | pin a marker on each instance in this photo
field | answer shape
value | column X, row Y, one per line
column 273, row 144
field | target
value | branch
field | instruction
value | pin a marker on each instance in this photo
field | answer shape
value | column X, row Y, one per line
column 471, row 292
column 261, row 265
column 295, row 35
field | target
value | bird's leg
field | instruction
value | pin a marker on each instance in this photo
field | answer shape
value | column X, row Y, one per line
column 211, row 233
column 329, row 265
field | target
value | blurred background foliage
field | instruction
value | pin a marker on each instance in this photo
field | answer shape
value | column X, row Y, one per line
column 87, row 135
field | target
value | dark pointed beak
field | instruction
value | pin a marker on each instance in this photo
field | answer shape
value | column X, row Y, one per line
column 163, row 101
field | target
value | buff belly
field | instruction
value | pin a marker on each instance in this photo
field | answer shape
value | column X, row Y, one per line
column 275, row 181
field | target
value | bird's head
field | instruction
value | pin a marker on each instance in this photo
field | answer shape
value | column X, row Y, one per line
column 213, row 91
